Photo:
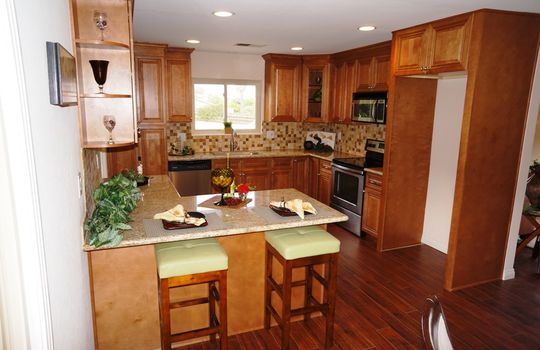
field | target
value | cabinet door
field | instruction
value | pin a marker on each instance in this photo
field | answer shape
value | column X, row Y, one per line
column 286, row 87
column 449, row 45
column 257, row 178
column 381, row 70
column 363, row 74
column 301, row 174
column 150, row 89
column 314, row 173
column 411, row 50
column 119, row 159
column 370, row 211
column 325, row 187
column 282, row 172
column 179, row 90
column 348, row 88
column 153, row 151
column 315, row 88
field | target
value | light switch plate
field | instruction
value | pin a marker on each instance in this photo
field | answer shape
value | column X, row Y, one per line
column 182, row 136
column 80, row 184
column 270, row 134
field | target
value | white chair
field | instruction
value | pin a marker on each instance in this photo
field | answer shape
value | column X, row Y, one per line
column 434, row 328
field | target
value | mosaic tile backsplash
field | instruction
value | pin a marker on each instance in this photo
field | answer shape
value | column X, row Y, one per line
column 287, row 136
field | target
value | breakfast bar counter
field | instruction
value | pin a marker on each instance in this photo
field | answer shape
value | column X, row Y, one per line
column 123, row 279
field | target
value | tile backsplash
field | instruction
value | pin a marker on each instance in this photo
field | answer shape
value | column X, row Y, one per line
column 287, row 136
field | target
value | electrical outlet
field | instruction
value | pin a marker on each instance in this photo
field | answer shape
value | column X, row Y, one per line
column 98, row 161
column 270, row 134
column 338, row 136
column 80, row 184
column 182, row 136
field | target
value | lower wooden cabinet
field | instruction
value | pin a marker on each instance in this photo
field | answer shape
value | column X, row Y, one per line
column 282, row 172
column 372, row 204
column 325, row 182
column 119, row 159
column 301, row 174
column 153, row 151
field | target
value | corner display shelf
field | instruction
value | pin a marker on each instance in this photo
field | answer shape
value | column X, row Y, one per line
column 113, row 43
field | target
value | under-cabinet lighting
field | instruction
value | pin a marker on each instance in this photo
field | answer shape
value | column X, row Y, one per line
column 223, row 13
column 297, row 48
column 193, row 41
column 366, row 28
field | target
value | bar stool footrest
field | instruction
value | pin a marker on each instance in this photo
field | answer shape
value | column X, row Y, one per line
column 275, row 314
column 196, row 333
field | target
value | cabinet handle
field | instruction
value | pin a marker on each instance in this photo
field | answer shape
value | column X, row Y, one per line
column 374, row 182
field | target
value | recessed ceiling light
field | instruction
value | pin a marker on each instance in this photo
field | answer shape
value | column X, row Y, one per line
column 193, row 41
column 366, row 28
column 297, row 48
column 223, row 13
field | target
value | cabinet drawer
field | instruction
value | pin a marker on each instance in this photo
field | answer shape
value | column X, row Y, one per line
column 256, row 163
column 326, row 167
column 282, row 162
column 374, row 181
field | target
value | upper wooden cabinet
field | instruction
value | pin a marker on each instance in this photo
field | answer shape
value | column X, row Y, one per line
column 433, row 48
column 179, row 86
column 342, row 90
column 150, row 66
column 372, row 73
column 315, row 88
column 114, row 45
column 282, row 79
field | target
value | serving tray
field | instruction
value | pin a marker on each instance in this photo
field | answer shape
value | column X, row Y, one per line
column 282, row 211
column 172, row 225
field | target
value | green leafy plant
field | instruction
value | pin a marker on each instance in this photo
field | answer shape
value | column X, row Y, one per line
column 227, row 124
column 115, row 199
column 133, row 175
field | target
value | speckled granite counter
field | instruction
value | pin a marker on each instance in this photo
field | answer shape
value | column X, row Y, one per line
column 160, row 196
column 264, row 154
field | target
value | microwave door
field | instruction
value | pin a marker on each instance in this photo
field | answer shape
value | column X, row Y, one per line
column 380, row 111
column 364, row 110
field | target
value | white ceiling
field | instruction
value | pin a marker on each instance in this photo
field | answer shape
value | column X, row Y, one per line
column 320, row 26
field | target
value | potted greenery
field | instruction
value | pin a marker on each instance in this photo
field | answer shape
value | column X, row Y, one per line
column 227, row 126
column 115, row 199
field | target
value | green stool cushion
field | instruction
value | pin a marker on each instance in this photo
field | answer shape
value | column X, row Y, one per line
column 189, row 257
column 301, row 242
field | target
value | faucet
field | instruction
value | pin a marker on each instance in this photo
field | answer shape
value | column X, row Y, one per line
column 233, row 145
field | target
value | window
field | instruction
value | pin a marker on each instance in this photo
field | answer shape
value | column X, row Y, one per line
column 218, row 101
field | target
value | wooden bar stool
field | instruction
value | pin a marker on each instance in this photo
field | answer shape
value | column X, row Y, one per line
column 301, row 247
column 187, row 263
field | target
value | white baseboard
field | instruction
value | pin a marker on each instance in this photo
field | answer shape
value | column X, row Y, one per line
column 508, row 274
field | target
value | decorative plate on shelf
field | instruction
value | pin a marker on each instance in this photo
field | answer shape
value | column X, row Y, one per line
column 172, row 225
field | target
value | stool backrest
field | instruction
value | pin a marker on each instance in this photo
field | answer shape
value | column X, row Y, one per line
column 434, row 328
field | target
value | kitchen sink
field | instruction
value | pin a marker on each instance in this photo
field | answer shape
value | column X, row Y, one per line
column 235, row 153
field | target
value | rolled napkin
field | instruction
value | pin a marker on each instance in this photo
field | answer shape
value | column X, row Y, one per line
column 178, row 214
column 296, row 205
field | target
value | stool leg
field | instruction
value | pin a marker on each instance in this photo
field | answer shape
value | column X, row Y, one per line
column 267, row 288
column 308, row 290
column 165, row 324
column 286, row 305
column 211, row 309
column 223, row 338
column 331, row 297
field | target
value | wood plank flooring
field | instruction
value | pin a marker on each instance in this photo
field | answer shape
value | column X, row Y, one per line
column 380, row 298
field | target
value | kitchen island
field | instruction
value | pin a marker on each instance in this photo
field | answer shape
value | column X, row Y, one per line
column 124, row 280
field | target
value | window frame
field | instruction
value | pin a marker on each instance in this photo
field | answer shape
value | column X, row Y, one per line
column 225, row 82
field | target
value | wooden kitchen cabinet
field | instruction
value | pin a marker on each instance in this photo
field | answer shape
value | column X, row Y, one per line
column 119, row 159
column 179, row 84
column 372, row 204
column 372, row 73
column 282, row 172
column 282, row 81
column 325, row 182
column 433, row 48
column 153, row 150
column 149, row 76
column 251, row 171
column 315, row 88
column 343, row 89
column 301, row 174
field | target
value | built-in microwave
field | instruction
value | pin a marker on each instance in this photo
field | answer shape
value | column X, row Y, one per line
column 369, row 107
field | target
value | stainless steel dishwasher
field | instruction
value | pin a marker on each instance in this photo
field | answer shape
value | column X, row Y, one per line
column 191, row 177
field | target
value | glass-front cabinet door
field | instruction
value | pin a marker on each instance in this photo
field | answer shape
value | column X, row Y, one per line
column 315, row 88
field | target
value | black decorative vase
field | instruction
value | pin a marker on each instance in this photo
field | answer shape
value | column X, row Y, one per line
column 99, row 68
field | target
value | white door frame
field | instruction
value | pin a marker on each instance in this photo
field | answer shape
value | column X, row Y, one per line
column 25, row 318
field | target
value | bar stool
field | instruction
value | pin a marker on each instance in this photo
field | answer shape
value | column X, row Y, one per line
column 301, row 247
column 187, row 263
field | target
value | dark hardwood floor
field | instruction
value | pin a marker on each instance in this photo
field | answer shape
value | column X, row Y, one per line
column 380, row 298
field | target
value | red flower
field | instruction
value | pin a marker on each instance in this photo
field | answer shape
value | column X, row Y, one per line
column 242, row 188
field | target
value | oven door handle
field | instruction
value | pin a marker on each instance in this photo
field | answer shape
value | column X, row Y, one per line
column 347, row 170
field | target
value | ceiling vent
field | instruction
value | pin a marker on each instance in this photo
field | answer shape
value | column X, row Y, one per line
column 248, row 45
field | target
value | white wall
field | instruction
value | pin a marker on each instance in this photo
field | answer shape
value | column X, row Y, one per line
column 443, row 164
column 218, row 65
column 528, row 141
column 55, row 141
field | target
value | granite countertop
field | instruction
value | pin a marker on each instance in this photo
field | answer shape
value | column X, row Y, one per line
column 160, row 196
column 264, row 154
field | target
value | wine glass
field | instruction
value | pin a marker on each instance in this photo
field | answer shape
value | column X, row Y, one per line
column 110, row 122
column 100, row 18
column 222, row 178
column 99, row 68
